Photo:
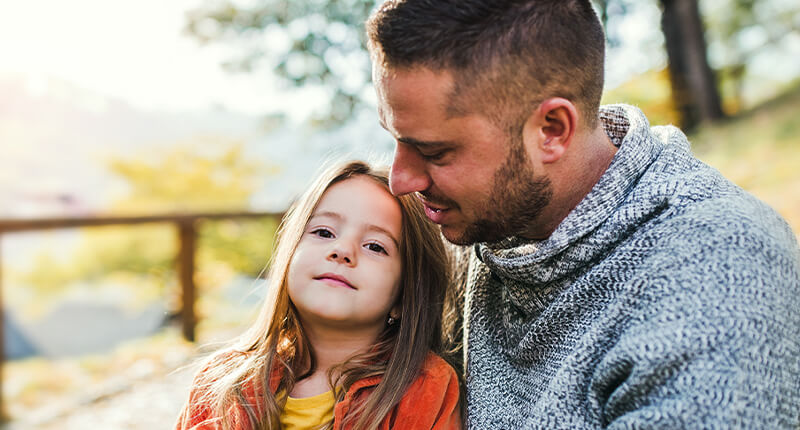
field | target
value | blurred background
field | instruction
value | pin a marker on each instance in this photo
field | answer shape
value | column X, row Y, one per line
column 147, row 108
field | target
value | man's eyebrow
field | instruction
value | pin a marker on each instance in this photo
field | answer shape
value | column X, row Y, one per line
column 411, row 141
column 421, row 143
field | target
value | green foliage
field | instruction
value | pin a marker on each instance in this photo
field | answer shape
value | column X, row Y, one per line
column 245, row 246
column 321, row 43
column 307, row 42
column 739, row 31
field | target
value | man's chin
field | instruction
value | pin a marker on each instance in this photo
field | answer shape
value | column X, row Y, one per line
column 481, row 231
column 455, row 235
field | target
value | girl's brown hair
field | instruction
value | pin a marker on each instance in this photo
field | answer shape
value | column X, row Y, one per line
column 276, row 341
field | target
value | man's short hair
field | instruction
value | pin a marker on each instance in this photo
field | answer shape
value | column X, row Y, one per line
column 505, row 56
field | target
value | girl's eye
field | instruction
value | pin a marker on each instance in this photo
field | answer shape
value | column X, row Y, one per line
column 374, row 247
column 322, row 232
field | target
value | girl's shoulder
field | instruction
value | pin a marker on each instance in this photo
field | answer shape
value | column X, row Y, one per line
column 199, row 411
column 433, row 399
column 436, row 367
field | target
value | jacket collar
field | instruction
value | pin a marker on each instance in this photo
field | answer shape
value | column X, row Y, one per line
column 277, row 373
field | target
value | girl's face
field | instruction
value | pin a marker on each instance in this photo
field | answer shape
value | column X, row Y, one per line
column 345, row 273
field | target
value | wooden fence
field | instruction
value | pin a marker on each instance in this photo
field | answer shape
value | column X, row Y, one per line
column 186, row 225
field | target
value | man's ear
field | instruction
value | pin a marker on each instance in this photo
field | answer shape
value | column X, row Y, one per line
column 550, row 128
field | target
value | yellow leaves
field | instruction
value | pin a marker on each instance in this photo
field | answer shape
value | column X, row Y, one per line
column 650, row 92
column 206, row 174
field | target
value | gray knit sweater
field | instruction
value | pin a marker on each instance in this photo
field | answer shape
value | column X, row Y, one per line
column 669, row 298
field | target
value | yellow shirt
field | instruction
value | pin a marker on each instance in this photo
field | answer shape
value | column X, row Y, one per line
column 308, row 412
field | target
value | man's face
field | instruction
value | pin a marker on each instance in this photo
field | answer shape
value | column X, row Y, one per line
column 476, row 182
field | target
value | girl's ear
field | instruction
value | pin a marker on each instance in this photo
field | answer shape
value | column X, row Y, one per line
column 395, row 311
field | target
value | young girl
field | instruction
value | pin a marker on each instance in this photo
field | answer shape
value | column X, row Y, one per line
column 352, row 320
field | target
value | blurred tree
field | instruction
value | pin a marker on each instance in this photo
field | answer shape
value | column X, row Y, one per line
column 739, row 31
column 694, row 90
column 322, row 43
column 694, row 86
column 202, row 175
column 318, row 43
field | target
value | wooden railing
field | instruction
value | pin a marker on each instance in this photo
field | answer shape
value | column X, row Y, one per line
column 186, row 227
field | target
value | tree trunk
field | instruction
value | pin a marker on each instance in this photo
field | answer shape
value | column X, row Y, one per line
column 694, row 88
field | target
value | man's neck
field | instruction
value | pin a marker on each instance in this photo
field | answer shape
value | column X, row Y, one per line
column 590, row 157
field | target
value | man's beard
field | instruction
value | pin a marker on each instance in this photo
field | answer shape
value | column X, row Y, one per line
column 516, row 200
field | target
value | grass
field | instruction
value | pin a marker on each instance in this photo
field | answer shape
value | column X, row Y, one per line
column 759, row 150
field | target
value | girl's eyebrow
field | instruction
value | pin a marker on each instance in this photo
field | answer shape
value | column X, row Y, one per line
column 373, row 227
column 370, row 227
column 328, row 214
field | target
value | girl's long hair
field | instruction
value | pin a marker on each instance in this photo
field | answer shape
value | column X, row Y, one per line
column 277, row 342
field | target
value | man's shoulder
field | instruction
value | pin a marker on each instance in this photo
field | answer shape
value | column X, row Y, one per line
column 693, row 197
column 697, row 214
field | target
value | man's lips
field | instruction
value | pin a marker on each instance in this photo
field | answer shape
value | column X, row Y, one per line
column 435, row 212
column 334, row 279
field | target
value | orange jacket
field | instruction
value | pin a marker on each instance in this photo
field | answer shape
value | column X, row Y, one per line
column 431, row 402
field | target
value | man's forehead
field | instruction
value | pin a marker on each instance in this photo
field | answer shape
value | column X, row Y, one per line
column 409, row 89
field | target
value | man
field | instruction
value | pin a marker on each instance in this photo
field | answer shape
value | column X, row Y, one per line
column 615, row 280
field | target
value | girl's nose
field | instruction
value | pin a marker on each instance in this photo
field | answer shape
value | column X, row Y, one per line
column 341, row 255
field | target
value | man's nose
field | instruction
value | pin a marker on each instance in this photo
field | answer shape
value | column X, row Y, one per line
column 408, row 172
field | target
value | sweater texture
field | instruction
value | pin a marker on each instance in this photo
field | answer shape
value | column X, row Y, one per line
column 669, row 298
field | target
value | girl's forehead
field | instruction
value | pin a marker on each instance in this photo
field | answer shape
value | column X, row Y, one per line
column 361, row 199
column 355, row 189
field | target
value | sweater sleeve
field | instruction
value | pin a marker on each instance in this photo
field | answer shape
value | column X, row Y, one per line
column 432, row 401
column 713, row 340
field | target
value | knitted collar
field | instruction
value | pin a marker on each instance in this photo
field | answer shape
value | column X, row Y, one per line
column 581, row 238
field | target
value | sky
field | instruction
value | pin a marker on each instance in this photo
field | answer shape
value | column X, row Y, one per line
column 135, row 51
column 139, row 53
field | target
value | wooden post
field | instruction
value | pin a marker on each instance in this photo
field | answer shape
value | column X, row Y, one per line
column 3, row 417
column 187, row 236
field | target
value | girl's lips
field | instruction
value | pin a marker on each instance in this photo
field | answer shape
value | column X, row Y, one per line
column 334, row 279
